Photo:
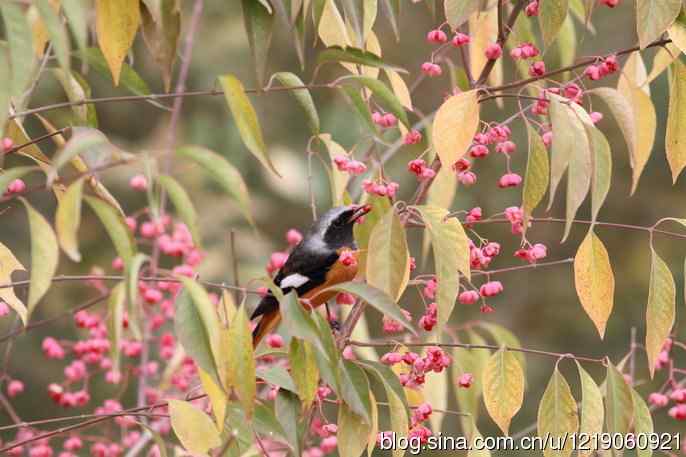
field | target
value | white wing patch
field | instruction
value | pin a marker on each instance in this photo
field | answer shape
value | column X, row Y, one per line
column 294, row 280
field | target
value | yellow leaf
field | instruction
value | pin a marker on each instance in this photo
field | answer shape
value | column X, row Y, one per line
column 241, row 362
column 675, row 140
column 436, row 394
column 304, row 370
column 634, row 73
column 557, row 414
column 388, row 258
column 193, row 427
column 619, row 409
column 117, row 22
column 643, row 422
column 503, row 387
column 594, row 280
column 592, row 412
column 677, row 32
column 653, row 17
column 8, row 265
column 400, row 88
column 552, row 16
column 454, row 127
column 217, row 397
column 339, row 180
column 483, row 27
column 661, row 310
column 664, row 58
column 537, row 172
column 68, row 218
column 332, row 30
column 352, row 432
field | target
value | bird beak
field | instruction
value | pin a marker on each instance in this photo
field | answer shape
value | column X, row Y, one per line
column 359, row 212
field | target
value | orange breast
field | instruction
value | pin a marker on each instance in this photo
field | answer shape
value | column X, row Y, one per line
column 338, row 273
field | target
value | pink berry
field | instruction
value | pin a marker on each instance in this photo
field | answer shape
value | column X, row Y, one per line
column 532, row 8
column 436, row 36
column 465, row 380
column 466, row 178
column 4, row 309
column 509, row 180
column 478, row 151
column 468, row 297
column 16, row 187
column 344, row 298
column 592, row 72
column 493, row 51
column 412, row 137
column 596, row 116
column 537, row 68
column 506, row 147
column 7, row 144
column 431, row 69
column 491, row 288
column 348, row 258
column 138, row 182
column 460, row 39
column 293, row 237
column 274, row 341
column 658, row 399
column 14, row 388
column 610, row 3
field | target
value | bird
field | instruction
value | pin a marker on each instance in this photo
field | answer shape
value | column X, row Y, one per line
column 313, row 265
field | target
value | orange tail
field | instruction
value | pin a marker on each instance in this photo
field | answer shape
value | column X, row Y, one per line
column 268, row 323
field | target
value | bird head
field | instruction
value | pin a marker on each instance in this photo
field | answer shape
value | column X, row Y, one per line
column 336, row 225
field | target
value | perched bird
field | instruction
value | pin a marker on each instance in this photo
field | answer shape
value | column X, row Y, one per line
column 313, row 265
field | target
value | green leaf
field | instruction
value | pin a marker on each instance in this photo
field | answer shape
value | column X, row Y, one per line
column 457, row 12
column 551, row 17
column 75, row 12
column 77, row 90
column 469, row 361
column 68, row 219
column 9, row 175
column 661, row 309
column 356, row 56
column 369, row 12
column 384, row 95
column 391, row 10
column 451, row 254
column 354, row 19
column 161, row 28
column 503, row 387
column 339, row 179
column 246, row 119
column 5, row 89
column 592, row 412
column 44, row 256
column 278, row 376
column 653, row 18
column 602, row 169
column 380, row 205
column 133, row 305
column 388, row 258
column 557, row 414
column 241, row 363
column 183, row 204
column 594, row 280
column 8, row 266
column 361, row 108
column 299, row 321
column 128, row 77
column 115, row 317
column 502, row 336
column 675, row 140
column 619, row 410
column 115, row 226
column 631, row 108
column 56, row 31
column 194, row 428
column 83, row 140
column 223, row 173
column 354, row 389
column 287, row 408
column 304, row 370
column 259, row 22
column 536, row 176
column 643, row 422
column 352, row 432
column 198, row 329
column 19, row 43
column 454, row 127
column 377, row 298
column 566, row 42
column 302, row 96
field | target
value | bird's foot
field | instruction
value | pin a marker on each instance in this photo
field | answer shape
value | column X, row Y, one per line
column 335, row 325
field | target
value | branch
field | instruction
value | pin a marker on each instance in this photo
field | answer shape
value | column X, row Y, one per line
column 557, row 355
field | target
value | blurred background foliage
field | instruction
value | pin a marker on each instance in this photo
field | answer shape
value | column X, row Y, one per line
column 539, row 305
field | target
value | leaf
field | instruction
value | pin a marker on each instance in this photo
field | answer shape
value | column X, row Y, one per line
column 552, row 15
column 83, row 140
column 380, row 205
column 193, row 427
column 304, row 370
column 197, row 327
column 454, row 127
column 354, row 389
column 75, row 12
column 592, row 412
column 246, row 119
column 661, row 309
column 183, row 204
column 376, row 298
column 503, row 387
column 677, row 33
column 388, row 258
column 436, row 390
column 354, row 55
column 339, row 179
column 618, row 402
column 56, row 31
column 19, row 44
column 351, row 430
column 117, row 22
column 391, row 9
column 44, row 256
column 632, row 108
column 68, row 219
column 115, row 318
column 298, row 321
column 566, row 42
column 594, row 280
column 451, row 254
column 128, row 77
column 353, row 19
column 278, row 376
column 287, row 408
column 302, row 96
column 241, row 363
column 643, row 422
column 361, row 108
column 557, row 414
column 5, row 91
column 469, row 361
column 383, row 94
column 9, row 175
column 259, row 23
column 77, row 91
column 223, row 173
column 536, row 176
column 331, row 27
column 601, row 158
column 8, row 265
column 653, row 18
column 675, row 140
column 161, row 31
column 115, row 226
column 457, row 12
column 502, row 336
column 663, row 59
column 132, row 271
